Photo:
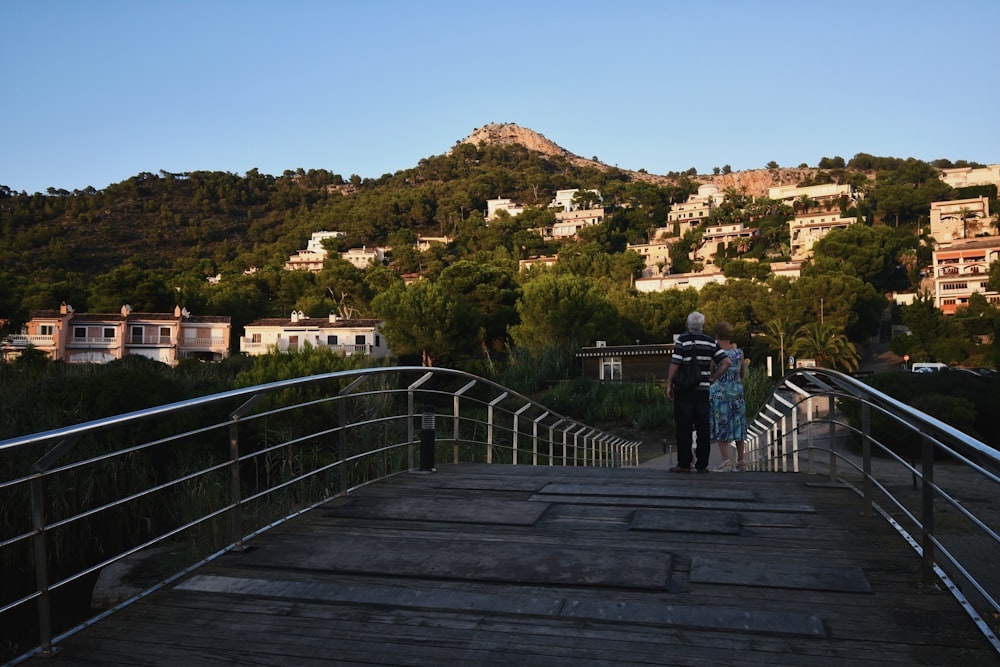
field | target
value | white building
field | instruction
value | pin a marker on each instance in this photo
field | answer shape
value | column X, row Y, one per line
column 362, row 257
column 495, row 205
column 313, row 257
column 564, row 199
column 808, row 228
column 347, row 336
column 961, row 269
column 964, row 177
column 569, row 223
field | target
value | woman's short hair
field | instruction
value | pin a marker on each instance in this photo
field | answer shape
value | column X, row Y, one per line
column 723, row 331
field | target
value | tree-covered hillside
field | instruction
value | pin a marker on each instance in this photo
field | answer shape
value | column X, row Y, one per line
column 154, row 241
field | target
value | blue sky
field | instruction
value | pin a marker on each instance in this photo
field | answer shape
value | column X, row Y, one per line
column 95, row 92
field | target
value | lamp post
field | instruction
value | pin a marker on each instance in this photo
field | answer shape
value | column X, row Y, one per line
column 781, row 358
column 821, row 310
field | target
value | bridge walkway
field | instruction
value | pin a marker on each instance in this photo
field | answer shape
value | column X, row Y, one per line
column 516, row 565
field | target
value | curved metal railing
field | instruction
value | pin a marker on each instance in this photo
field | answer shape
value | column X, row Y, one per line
column 932, row 482
column 199, row 477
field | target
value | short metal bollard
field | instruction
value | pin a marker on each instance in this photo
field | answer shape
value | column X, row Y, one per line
column 427, row 439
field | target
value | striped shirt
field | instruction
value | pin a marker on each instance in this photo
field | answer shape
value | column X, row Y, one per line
column 704, row 349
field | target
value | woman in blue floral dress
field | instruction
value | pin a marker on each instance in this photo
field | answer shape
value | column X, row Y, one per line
column 729, row 419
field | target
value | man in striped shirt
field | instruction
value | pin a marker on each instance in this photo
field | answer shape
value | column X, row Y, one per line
column 691, row 406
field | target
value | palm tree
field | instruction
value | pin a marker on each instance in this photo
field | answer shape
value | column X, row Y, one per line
column 970, row 221
column 826, row 344
column 777, row 335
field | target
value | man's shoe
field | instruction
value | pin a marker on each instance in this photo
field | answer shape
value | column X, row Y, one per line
column 679, row 469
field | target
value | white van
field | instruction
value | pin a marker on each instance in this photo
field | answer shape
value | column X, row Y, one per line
column 927, row 366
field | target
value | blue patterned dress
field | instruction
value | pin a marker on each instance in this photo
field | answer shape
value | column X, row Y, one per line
column 729, row 415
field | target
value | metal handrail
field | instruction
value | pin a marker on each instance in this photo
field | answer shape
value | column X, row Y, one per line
column 812, row 411
column 214, row 471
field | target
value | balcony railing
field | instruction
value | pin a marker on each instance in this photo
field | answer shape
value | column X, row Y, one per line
column 93, row 341
column 23, row 340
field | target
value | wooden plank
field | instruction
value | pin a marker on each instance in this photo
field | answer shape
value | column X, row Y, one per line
column 782, row 574
column 686, row 521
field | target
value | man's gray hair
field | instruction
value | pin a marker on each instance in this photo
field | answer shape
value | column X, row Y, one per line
column 696, row 322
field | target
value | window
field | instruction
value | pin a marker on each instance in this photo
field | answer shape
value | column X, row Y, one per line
column 109, row 332
column 46, row 330
column 331, row 339
column 255, row 338
column 359, row 339
column 378, row 341
column 136, row 335
column 164, row 334
column 79, row 332
column 611, row 368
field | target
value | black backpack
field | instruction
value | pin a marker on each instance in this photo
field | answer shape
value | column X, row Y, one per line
column 688, row 373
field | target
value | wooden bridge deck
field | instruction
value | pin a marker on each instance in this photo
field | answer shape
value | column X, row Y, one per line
column 515, row 565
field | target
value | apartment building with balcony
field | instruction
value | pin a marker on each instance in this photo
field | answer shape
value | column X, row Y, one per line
column 959, row 218
column 808, row 228
column 102, row 337
column 656, row 255
column 721, row 235
column 964, row 177
column 346, row 336
column 962, row 268
column 569, row 223
column 683, row 216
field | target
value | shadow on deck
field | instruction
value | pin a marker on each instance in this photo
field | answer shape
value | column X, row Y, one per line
column 516, row 565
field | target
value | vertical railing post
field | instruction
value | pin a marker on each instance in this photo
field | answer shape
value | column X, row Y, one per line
column 411, row 418
column 235, row 482
column 40, row 549
column 795, row 438
column 517, row 428
column 534, row 432
column 866, row 457
column 833, row 438
column 457, row 397
column 809, row 436
column 927, row 510
column 490, row 426
column 427, row 439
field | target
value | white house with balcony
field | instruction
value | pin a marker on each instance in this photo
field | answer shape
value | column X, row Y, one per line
column 312, row 258
column 346, row 336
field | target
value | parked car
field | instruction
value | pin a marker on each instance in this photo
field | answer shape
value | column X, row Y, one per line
column 927, row 366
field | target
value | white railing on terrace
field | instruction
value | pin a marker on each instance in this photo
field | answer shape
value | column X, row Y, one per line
column 203, row 342
column 205, row 475
column 93, row 340
column 932, row 482
column 20, row 340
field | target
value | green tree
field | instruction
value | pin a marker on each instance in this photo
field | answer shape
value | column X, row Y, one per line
column 565, row 310
column 492, row 290
column 424, row 320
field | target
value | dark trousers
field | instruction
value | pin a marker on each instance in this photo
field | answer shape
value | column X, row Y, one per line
column 691, row 411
